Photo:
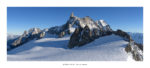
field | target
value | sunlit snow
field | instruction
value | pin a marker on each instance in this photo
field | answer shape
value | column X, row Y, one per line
column 50, row 48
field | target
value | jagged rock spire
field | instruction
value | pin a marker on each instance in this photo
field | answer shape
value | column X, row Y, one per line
column 72, row 14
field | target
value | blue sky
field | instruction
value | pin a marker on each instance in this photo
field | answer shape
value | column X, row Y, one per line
column 129, row 19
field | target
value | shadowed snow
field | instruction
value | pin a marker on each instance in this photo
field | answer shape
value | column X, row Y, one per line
column 107, row 48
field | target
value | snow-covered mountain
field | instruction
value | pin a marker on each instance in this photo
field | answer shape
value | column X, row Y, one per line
column 31, row 34
column 10, row 39
column 97, row 27
column 76, row 22
column 78, row 39
column 103, row 49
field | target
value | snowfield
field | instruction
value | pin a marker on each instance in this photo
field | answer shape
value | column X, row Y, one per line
column 49, row 48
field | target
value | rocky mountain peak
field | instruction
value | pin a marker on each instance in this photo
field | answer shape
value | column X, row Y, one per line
column 34, row 31
column 72, row 14
column 25, row 33
column 76, row 22
column 88, row 32
column 82, row 31
column 103, row 23
column 85, row 28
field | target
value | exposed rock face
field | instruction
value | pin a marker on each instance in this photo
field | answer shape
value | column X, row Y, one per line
column 139, row 45
column 75, row 38
column 76, row 22
column 41, row 35
column 83, row 30
column 22, row 39
column 85, row 35
column 103, row 25
column 123, row 34
column 87, row 30
column 136, row 52
column 80, row 37
column 34, row 33
column 62, row 34
column 72, row 15
column 97, row 33
column 135, row 49
column 65, row 29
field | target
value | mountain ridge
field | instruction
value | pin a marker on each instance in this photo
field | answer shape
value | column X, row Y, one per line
column 82, row 31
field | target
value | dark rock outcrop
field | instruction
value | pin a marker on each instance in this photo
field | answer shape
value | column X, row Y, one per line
column 136, row 52
column 34, row 33
column 139, row 45
column 62, row 34
column 85, row 35
column 87, row 30
column 123, row 34
column 76, row 22
column 80, row 37
column 65, row 28
column 135, row 49
column 82, row 31
column 41, row 35
column 75, row 38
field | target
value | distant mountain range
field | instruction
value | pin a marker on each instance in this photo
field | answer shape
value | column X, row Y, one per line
column 137, row 37
column 76, row 34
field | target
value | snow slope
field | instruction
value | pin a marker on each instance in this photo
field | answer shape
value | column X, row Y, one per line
column 108, row 48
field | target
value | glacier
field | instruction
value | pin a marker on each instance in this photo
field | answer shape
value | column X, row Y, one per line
column 50, row 48
column 79, row 39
